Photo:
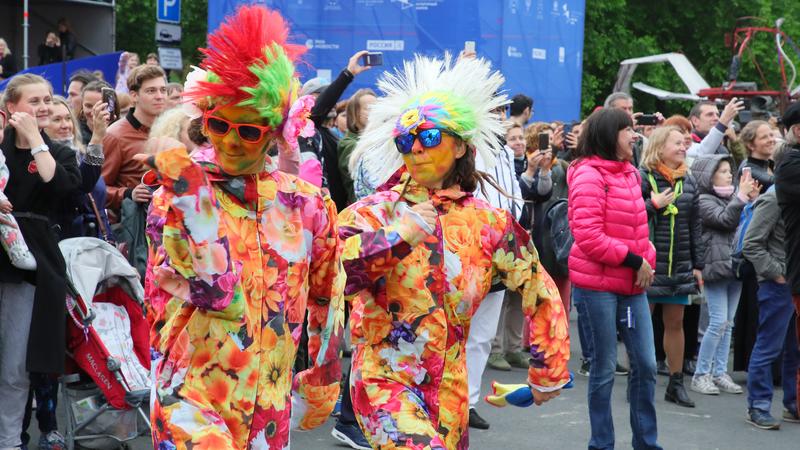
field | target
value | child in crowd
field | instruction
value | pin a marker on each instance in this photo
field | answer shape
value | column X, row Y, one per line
column 721, row 205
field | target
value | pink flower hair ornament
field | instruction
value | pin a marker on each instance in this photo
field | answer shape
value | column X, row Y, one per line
column 299, row 123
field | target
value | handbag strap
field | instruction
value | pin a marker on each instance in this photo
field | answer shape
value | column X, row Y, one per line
column 100, row 222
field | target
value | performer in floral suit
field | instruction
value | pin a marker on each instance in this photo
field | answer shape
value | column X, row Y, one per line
column 422, row 253
column 238, row 252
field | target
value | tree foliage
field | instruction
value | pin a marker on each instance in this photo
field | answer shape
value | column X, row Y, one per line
column 622, row 29
column 136, row 21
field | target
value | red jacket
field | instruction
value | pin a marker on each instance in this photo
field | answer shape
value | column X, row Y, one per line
column 608, row 220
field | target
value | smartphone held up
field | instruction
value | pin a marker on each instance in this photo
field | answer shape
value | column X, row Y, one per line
column 110, row 99
column 372, row 59
column 544, row 141
column 647, row 119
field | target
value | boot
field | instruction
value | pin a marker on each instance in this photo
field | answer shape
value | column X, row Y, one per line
column 676, row 392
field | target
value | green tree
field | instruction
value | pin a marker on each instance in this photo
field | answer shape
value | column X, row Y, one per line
column 135, row 28
column 622, row 29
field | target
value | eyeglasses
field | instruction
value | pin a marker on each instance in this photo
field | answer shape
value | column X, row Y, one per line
column 247, row 132
column 428, row 138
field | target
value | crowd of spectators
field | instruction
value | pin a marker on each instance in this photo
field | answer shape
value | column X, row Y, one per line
column 655, row 213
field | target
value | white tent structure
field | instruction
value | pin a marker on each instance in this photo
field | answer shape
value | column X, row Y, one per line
column 691, row 78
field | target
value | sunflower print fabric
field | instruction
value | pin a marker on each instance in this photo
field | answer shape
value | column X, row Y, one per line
column 414, row 294
column 234, row 265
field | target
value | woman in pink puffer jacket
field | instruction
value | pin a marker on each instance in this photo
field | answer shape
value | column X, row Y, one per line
column 610, row 266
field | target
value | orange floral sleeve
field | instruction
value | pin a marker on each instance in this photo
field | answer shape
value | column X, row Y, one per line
column 516, row 262
column 186, row 235
column 318, row 386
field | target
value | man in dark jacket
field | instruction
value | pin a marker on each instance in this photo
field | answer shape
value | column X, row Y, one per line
column 787, row 188
column 764, row 248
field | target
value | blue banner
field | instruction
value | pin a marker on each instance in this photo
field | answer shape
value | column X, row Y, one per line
column 536, row 44
column 58, row 74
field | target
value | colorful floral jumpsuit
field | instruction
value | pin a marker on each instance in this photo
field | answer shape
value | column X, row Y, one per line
column 414, row 294
column 234, row 264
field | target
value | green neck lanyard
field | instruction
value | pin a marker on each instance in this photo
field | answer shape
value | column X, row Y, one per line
column 671, row 210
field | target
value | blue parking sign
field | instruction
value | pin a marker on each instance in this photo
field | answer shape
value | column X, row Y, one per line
column 168, row 11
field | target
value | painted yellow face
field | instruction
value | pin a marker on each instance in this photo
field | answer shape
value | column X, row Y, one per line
column 235, row 156
column 430, row 166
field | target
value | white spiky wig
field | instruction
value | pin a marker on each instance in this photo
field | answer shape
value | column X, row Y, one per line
column 432, row 92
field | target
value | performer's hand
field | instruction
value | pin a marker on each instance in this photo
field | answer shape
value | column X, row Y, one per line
column 175, row 169
column 521, row 395
column 544, row 397
column 428, row 212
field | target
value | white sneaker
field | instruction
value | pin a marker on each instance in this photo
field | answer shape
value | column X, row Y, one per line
column 726, row 384
column 704, row 385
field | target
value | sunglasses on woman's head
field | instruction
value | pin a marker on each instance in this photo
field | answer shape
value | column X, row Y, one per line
column 428, row 138
column 247, row 132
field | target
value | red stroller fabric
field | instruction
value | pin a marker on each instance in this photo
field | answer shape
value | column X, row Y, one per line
column 91, row 355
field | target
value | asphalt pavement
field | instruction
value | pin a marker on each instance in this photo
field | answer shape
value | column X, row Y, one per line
column 718, row 422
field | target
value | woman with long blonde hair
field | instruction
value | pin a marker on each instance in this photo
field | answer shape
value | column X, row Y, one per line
column 84, row 214
column 670, row 194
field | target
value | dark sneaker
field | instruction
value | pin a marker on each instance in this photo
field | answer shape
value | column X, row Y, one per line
column 476, row 421
column 762, row 419
column 52, row 441
column 791, row 416
column 337, row 408
column 350, row 435
column 620, row 370
column 585, row 367
column 661, row 368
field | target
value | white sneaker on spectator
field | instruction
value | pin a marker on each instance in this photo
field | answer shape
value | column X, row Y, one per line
column 726, row 384
column 704, row 385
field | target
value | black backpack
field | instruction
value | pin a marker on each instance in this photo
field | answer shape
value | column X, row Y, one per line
column 558, row 225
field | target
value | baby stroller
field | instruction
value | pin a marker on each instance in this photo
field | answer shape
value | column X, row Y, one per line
column 108, row 345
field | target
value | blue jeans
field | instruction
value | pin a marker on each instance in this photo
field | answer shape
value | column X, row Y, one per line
column 776, row 332
column 584, row 331
column 605, row 311
column 722, row 298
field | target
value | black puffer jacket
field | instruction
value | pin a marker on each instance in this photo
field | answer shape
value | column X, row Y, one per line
column 719, row 216
column 761, row 170
column 688, row 251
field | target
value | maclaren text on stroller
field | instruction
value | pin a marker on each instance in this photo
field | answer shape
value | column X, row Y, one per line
column 108, row 341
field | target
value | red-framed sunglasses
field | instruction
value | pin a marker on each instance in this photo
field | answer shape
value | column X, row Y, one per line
column 247, row 132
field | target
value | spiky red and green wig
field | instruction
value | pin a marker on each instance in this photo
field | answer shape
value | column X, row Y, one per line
column 249, row 63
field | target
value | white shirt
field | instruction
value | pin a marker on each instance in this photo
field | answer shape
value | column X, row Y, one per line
column 502, row 172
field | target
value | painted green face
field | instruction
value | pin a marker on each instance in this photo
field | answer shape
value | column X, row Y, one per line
column 237, row 156
column 430, row 166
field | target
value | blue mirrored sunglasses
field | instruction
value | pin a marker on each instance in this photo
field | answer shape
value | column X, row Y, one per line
column 428, row 138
